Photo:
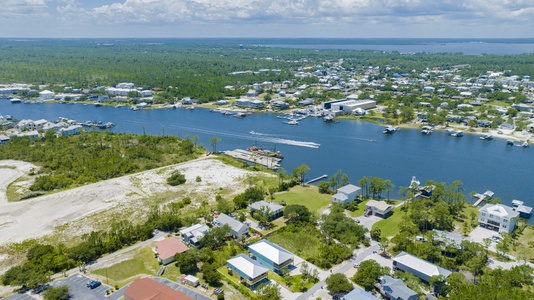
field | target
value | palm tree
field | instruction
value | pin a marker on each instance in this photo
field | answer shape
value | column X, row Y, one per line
column 388, row 186
column 213, row 142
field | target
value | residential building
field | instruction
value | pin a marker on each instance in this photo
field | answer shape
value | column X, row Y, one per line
column 149, row 289
column 125, row 85
column 418, row 267
column 498, row 217
column 70, row 130
column 358, row 294
column 251, row 93
column 167, row 248
column 248, row 271
column 378, row 208
column 193, row 234
column 270, row 255
column 395, row 289
column 346, row 194
column 273, row 210
column 237, row 228
column 524, row 211
column 46, row 95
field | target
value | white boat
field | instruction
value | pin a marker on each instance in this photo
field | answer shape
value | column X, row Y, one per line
column 390, row 129
column 190, row 108
column 458, row 133
column 487, row 137
column 292, row 122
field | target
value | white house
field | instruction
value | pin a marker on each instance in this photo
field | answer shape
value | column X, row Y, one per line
column 194, row 234
column 46, row 95
column 236, row 228
column 270, row 255
column 498, row 217
column 418, row 267
column 125, row 85
column 378, row 208
column 274, row 210
column 346, row 194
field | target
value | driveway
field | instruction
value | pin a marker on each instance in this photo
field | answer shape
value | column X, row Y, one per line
column 479, row 234
column 79, row 290
column 368, row 222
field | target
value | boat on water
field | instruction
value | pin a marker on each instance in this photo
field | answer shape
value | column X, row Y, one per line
column 524, row 144
column 292, row 122
column 455, row 133
column 97, row 104
column 487, row 137
column 190, row 108
column 390, row 129
column 427, row 130
column 15, row 101
column 265, row 152
column 240, row 115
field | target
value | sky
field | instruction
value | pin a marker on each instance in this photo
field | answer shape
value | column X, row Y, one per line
column 267, row 18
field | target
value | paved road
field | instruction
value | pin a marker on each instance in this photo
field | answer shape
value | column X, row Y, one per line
column 344, row 268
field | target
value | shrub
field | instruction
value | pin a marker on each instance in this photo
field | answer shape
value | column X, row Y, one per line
column 176, row 178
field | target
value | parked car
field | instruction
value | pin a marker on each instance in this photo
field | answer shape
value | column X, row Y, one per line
column 93, row 284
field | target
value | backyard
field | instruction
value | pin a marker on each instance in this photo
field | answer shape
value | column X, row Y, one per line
column 308, row 196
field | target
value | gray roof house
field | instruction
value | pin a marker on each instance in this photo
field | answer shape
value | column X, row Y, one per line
column 359, row 294
column 395, row 289
column 346, row 193
column 193, row 234
column 236, row 228
column 417, row 266
column 274, row 210
column 498, row 217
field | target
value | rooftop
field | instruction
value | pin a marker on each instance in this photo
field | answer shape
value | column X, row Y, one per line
column 381, row 205
column 169, row 247
column 420, row 265
column 270, row 205
column 247, row 265
column 348, row 189
column 271, row 251
column 500, row 210
column 148, row 289
column 233, row 223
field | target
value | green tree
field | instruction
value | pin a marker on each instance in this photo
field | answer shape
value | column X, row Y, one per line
column 368, row 273
column 213, row 142
column 376, row 233
column 269, row 292
column 300, row 172
column 338, row 284
column 210, row 274
column 176, row 178
column 57, row 293
column 296, row 213
column 187, row 261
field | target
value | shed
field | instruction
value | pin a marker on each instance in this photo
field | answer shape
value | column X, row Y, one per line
column 191, row 280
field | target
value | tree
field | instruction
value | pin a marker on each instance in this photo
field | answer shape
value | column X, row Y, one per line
column 187, row 261
column 376, row 233
column 57, row 293
column 300, row 172
column 176, row 178
column 338, row 284
column 364, row 183
column 388, row 186
column 269, row 292
column 210, row 274
column 296, row 213
column 213, row 142
column 324, row 187
column 368, row 273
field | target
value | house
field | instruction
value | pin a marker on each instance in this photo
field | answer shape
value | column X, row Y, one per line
column 3, row 139
column 251, row 93
column 167, row 248
column 498, row 217
column 524, row 211
column 222, row 102
column 305, row 102
column 237, row 228
column 46, row 95
column 273, row 210
column 256, row 103
column 242, row 102
column 125, row 85
column 149, row 289
column 146, row 93
column 359, row 294
column 270, row 255
column 346, row 194
column 418, row 267
column 395, row 289
column 483, row 123
column 70, row 130
column 378, row 208
column 280, row 104
column 193, row 234
column 248, row 271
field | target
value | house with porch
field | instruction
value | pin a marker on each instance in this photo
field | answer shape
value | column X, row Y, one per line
column 249, row 272
column 378, row 208
column 273, row 210
column 498, row 217
column 270, row 255
column 346, row 194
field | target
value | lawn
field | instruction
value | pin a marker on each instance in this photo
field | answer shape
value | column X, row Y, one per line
column 389, row 226
column 524, row 245
column 122, row 273
column 361, row 209
column 304, row 241
column 308, row 196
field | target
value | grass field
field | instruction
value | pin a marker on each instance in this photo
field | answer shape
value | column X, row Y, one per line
column 389, row 226
column 303, row 241
column 524, row 246
column 122, row 273
column 308, row 196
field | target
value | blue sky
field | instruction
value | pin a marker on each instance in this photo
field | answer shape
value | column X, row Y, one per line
column 267, row 18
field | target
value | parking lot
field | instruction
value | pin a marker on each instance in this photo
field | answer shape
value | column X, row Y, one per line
column 19, row 297
column 79, row 290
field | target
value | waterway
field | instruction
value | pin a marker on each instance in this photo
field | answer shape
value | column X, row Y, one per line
column 357, row 148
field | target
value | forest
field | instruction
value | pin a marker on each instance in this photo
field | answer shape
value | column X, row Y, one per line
column 202, row 68
column 89, row 157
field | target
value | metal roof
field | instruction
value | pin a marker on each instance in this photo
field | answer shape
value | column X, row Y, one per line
column 500, row 210
column 247, row 265
column 233, row 223
column 348, row 189
column 270, row 205
column 359, row 294
column 271, row 251
column 396, row 288
column 420, row 265
column 381, row 205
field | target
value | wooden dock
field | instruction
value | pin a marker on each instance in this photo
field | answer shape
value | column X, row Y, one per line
column 482, row 197
column 316, row 179
column 252, row 157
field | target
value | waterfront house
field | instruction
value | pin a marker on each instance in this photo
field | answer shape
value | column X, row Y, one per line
column 498, row 217
column 418, row 267
column 305, row 102
column 3, row 139
column 280, row 104
column 273, row 210
column 222, row 102
column 256, row 104
column 378, row 208
column 242, row 102
column 483, row 123
column 167, row 248
column 149, row 289
column 359, row 294
column 270, row 255
column 249, row 272
column 46, row 95
column 395, row 289
column 524, row 211
column 70, row 130
column 193, row 234
column 346, row 194
column 237, row 228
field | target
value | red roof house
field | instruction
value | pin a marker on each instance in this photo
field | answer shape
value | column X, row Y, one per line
column 168, row 247
column 148, row 289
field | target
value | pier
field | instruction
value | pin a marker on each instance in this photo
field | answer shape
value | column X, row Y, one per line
column 482, row 197
column 316, row 179
column 255, row 158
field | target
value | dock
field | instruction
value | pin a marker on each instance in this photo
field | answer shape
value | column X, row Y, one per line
column 316, row 179
column 252, row 157
column 482, row 197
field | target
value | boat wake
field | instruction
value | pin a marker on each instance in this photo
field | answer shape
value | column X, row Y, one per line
column 269, row 138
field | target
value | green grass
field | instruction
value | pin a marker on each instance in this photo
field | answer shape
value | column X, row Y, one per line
column 303, row 241
column 390, row 226
column 524, row 245
column 122, row 273
column 361, row 209
column 307, row 196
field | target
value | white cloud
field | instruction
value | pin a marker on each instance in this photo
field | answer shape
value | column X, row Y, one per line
column 22, row 8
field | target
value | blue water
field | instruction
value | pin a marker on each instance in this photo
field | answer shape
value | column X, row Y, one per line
column 347, row 145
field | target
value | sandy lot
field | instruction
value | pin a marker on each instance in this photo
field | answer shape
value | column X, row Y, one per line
column 39, row 216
